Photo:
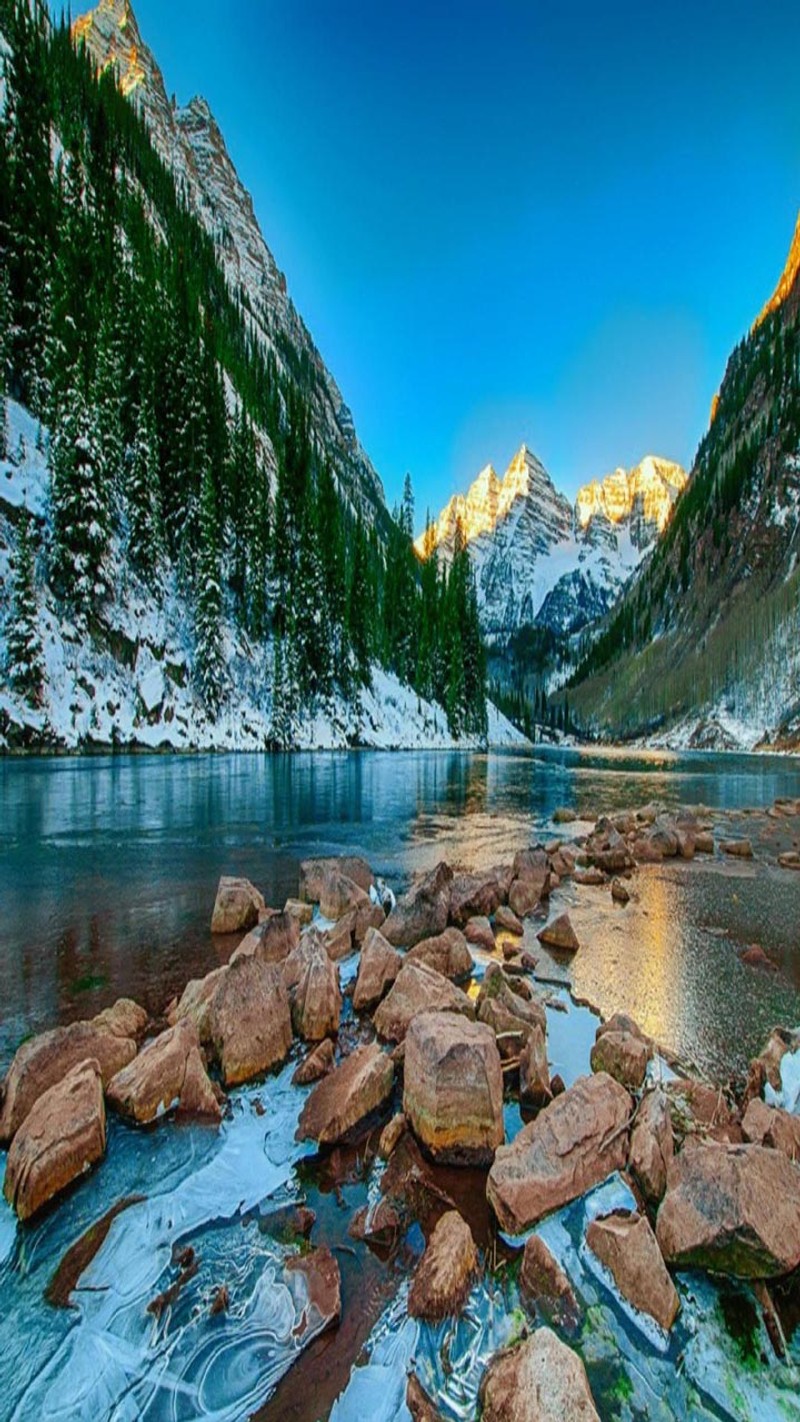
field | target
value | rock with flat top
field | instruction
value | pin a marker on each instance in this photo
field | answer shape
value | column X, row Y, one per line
column 46, row 1059
column 453, row 1088
column 416, row 989
column 447, row 954
column 444, row 1276
column 539, row 1380
column 627, row 1247
column 423, row 912
column 237, row 906
column 347, row 1096
column 250, row 1020
column 63, row 1135
column 169, row 1072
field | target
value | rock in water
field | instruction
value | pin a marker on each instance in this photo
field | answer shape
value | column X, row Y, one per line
column 271, row 941
column 313, row 871
column 423, row 912
column 380, row 963
column 342, row 1100
column 45, row 1060
column 731, row 1208
column 540, row 1380
column 418, row 989
column 62, row 1136
column 544, row 1285
column 447, row 954
column 168, row 1072
column 237, row 906
column 506, row 920
column 770, row 1126
column 250, row 1020
column 480, row 934
column 125, row 1019
column 445, row 1273
column 738, row 848
column 623, row 1056
column 573, row 1144
column 453, row 1088
column 627, row 1246
column 339, row 894
column 419, row 1404
column 652, row 1145
column 316, row 1000
column 534, row 1069
column 477, row 894
column 196, row 1001
column 560, row 935
column 316, row 1065
column 318, row 1275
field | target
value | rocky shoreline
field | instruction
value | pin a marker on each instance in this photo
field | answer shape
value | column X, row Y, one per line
column 422, row 1024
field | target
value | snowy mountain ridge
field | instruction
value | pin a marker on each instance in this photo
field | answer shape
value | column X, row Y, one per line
column 537, row 559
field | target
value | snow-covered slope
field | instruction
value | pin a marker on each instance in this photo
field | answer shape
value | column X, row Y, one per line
column 133, row 682
column 191, row 144
column 539, row 561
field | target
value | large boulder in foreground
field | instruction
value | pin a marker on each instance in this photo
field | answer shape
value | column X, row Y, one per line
column 444, row 1275
column 423, row 912
column 378, row 967
column 540, row 1380
column 627, row 1247
column 168, row 1072
column 347, row 1096
column 237, row 906
column 453, row 1088
column 652, row 1145
column 447, row 954
column 418, row 989
column 46, row 1059
column 62, row 1136
column 731, row 1208
column 573, row 1144
column 250, row 1020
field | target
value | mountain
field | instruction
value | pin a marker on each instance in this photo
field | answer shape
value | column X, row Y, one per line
column 703, row 649
column 191, row 145
column 540, row 562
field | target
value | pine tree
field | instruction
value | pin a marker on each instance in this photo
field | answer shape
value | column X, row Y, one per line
column 145, row 528
column 25, row 659
column 210, row 661
column 285, row 691
column 5, row 351
column 80, row 530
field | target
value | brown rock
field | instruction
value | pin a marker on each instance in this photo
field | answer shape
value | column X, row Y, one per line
column 447, row 954
column 703, row 842
column 627, row 1247
column 221, row 1301
column 316, row 1065
column 652, row 1145
column 453, row 1088
column 534, row 1070
column 45, row 1060
column 560, row 935
column 573, row 1144
column 313, row 871
column 316, row 1001
column 697, row 1108
column 250, row 1020
column 377, row 1224
column 789, row 860
column 318, row 1275
column 770, row 1126
column 544, row 1284
column 755, row 957
column 390, row 1135
column 539, row 1380
column 531, row 883
column 443, row 1278
column 360, row 920
column 352, row 1092
column 299, row 909
column 125, row 1019
column 766, row 1067
column 623, row 1056
column 195, row 1003
column 155, row 1081
column 419, row 1404
column 734, row 1209
column 644, row 851
column 272, row 940
column 380, row 963
column 621, row 1022
column 737, row 848
column 564, row 815
column 62, row 1135
column 339, row 894
column 237, row 906
column 619, row 892
column 480, row 933
column 423, row 912
column 478, row 895
column 418, row 989
column 607, row 849
column 591, row 877
column 506, row 921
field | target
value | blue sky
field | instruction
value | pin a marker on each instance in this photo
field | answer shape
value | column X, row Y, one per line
column 519, row 221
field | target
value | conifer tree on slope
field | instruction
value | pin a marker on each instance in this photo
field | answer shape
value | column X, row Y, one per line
column 210, row 660
column 145, row 526
column 25, row 659
column 80, row 528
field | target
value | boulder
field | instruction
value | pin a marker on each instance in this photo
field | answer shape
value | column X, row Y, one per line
column 539, row 1380
column 506, row 921
column 423, row 912
column 347, row 1096
column 318, row 1276
column 250, row 1020
column 737, row 848
column 591, row 877
column 418, row 989
column 627, row 1247
column 619, row 892
column 480, row 934
column 765, row 1069
column 703, row 842
column 418, row 1402
column 511, row 1016
column 652, row 1145
column 534, row 1070
column 544, row 1285
column 477, row 895
column 734, row 1209
column 564, row 815
column 316, row 1065
column 153, row 1082
column 378, row 967
column 453, row 1088
column 560, row 935
column 195, row 1003
column 770, row 1126
column 623, row 1056
column 237, row 906
column 531, row 882
column 62, row 1135
column 299, row 909
column 377, row 1224
column 313, row 871
column 607, row 850
column 125, row 1019
column 390, row 1135
column 447, row 954
column 621, row 1022
column 358, row 921
column 46, row 1059
column 271, row 941
column 339, row 894
column 573, row 1145
column 316, row 1001
column 443, row 1278
column 789, row 860
column 697, row 1108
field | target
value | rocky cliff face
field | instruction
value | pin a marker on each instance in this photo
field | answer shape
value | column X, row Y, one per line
column 537, row 559
column 191, row 144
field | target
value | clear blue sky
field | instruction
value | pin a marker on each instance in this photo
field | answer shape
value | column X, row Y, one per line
column 529, row 221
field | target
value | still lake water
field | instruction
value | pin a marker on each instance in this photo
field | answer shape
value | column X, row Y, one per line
column 108, row 870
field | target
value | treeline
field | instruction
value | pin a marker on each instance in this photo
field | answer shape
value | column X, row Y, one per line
column 173, row 434
column 537, row 715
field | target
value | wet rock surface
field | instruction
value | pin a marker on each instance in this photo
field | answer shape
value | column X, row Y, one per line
column 627, row 1247
column 45, row 1060
column 442, row 1281
column 416, row 989
column 344, row 1098
column 453, row 1093
column 62, row 1136
column 546, row 1288
column 250, row 1020
column 237, row 906
column 540, row 1380
column 168, row 1073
